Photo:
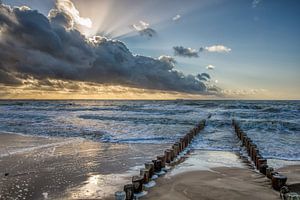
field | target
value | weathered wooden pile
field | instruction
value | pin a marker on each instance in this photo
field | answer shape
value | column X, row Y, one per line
column 158, row 165
column 278, row 180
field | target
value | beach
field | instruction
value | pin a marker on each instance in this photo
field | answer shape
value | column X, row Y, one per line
column 61, row 168
column 219, row 183
column 64, row 168
column 146, row 99
column 91, row 149
column 199, row 181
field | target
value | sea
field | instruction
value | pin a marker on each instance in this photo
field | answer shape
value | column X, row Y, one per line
column 118, row 136
column 273, row 125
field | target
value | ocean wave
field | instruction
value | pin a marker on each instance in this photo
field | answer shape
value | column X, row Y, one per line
column 274, row 125
column 139, row 120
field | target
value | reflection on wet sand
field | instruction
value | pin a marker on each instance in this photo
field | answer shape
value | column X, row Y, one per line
column 68, row 167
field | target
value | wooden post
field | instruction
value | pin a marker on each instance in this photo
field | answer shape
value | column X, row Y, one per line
column 157, row 165
column 253, row 146
column 258, row 156
column 182, row 144
column 263, row 169
column 137, row 182
column 261, row 162
column 172, row 154
column 177, row 144
column 249, row 142
column 150, row 167
column 242, row 136
column 128, row 189
column 244, row 140
column 269, row 170
column 168, row 155
column 162, row 158
column 145, row 173
column 174, row 147
column 255, row 151
column 278, row 181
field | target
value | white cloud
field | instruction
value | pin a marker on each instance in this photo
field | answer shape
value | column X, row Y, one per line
column 185, row 52
column 216, row 49
column 68, row 7
column 243, row 92
column 144, row 29
column 210, row 67
column 167, row 59
column 141, row 26
column 176, row 18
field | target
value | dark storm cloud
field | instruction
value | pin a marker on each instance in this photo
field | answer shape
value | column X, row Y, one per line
column 33, row 46
column 185, row 52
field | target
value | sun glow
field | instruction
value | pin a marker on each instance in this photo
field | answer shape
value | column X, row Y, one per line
column 59, row 89
column 114, row 19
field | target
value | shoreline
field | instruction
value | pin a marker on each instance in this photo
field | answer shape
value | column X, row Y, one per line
column 68, row 168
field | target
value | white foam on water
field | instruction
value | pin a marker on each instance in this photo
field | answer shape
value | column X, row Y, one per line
column 160, row 173
column 150, row 184
column 154, row 177
column 141, row 194
column 45, row 195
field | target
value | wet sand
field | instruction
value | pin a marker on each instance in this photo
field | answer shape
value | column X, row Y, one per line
column 67, row 168
column 220, row 183
column 74, row 168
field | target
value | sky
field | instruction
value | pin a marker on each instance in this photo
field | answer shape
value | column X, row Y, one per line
column 145, row 49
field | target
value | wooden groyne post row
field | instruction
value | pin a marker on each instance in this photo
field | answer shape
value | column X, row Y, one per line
column 278, row 180
column 158, row 166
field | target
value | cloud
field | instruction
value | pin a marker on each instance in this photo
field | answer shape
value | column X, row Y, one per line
column 34, row 47
column 185, row 52
column 215, row 49
column 203, row 77
column 168, row 59
column 242, row 92
column 255, row 3
column 176, row 18
column 210, row 67
column 68, row 9
column 143, row 29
